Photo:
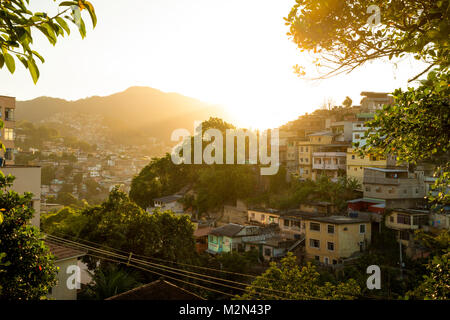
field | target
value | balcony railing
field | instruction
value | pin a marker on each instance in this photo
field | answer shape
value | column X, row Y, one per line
column 374, row 180
column 323, row 166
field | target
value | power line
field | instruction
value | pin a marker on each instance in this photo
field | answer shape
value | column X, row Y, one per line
column 169, row 269
column 163, row 275
column 159, row 259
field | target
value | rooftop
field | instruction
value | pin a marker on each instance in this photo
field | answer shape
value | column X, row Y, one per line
column 168, row 199
column 62, row 252
column 322, row 133
column 228, row 230
column 387, row 170
column 338, row 219
column 157, row 290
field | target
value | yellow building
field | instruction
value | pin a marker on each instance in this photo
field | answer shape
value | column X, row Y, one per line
column 330, row 240
column 321, row 154
column 356, row 164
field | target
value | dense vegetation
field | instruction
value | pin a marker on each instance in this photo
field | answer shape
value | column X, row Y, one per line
column 27, row 269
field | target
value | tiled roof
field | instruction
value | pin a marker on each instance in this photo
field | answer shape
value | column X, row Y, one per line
column 157, row 290
column 228, row 230
column 167, row 199
column 201, row 232
column 62, row 252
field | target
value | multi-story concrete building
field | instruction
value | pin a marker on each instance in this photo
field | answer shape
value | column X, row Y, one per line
column 331, row 240
column 399, row 188
column 7, row 108
column 373, row 101
column 356, row 164
column 322, row 154
column 405, row 222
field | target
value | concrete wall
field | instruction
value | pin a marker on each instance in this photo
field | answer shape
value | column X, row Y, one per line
column 28, row 179
column 61, row 290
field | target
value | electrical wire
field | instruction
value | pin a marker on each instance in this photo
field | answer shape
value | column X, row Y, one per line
column 159, row 259
column 167, row 268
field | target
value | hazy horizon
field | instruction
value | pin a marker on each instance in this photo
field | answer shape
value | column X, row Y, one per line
column 232, row 54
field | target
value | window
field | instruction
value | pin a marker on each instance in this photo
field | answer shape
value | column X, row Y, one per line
column 320, row 139
column 367, row 188
column 357, row 136
column 301, row 149
column 306, row 149
column 9, row 134
column 331, row 228
column 314, row 226
column 286, row 223
column 353, row 157
column 362, row 228
column 313, row 243
column 334, row 261
column 267, row 252
column 213, row 239
column 420, row 220
column 317, row 258
column 296, row 224
column 9, row 154
column 403, row 219
column 263, row 217
column 326, row 260
column 9, row 114
column 391, row 219
column 330, row 246
column 356, row 169
column 306, row 160
column 252, row 215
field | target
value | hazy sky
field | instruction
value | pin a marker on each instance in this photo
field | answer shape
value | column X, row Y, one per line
column 234, row 53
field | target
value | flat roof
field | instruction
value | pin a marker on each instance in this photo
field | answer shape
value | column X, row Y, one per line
column 322, row 133
column 338, row 219
column 412, row 211
column 387, row 170
column 170, row 198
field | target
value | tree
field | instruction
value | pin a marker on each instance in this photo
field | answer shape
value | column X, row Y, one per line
column 298, row 283
column 345, row 34
column 48, row 173
column 347, row 102
column 17, row 23
column 121, row 224
column 436, row 284
column 66, row 198
column 109, row 280
column 27, row 271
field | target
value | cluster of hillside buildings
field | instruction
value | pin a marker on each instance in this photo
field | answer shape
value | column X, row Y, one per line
column 322, row 144
column 313, row 145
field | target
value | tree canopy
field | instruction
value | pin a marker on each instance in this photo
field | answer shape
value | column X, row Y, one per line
column 345, row 34
column 298, row 283
column 18, row 22
column 27, row 269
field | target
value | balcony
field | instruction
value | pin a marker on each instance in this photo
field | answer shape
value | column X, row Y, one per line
column 328, row 166
column 387, row 181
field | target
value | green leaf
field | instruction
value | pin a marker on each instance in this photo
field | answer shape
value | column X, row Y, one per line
column 63, row 24
column 2, row 61
column 10, row 63
column 34, row 71
column 91, row 11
